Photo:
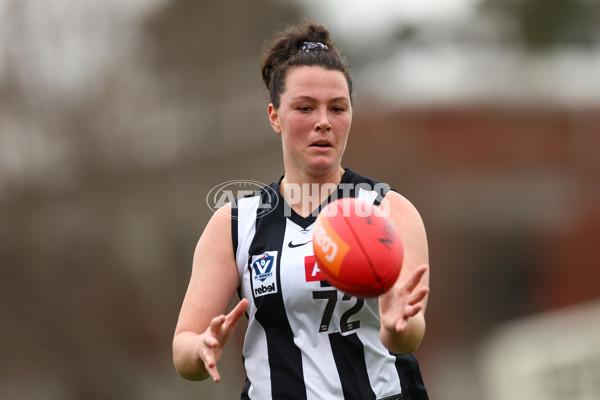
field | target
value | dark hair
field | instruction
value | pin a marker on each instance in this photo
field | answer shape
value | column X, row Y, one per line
column 289, row 49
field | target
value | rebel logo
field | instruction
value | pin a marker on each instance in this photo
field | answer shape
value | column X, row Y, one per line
column 259, row 291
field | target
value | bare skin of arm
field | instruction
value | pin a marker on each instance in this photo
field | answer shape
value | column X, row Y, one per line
column 202, row 328
column 402, row 308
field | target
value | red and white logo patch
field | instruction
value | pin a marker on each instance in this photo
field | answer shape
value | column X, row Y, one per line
column 313, row 273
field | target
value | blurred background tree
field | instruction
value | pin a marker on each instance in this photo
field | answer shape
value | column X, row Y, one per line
column 117, row 118
column 545, row 25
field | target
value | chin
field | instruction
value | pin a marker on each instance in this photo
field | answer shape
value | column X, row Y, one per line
column 320, row 169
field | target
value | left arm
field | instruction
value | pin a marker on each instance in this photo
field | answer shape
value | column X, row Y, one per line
column 402, row 308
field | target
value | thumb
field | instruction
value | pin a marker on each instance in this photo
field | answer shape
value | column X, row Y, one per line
column 232, row 319
column 238, row 311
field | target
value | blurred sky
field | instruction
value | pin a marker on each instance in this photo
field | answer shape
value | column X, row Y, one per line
column 454, row 56
column 368, row 21
column 458, row 56
column 67, row 42
column 410, row 53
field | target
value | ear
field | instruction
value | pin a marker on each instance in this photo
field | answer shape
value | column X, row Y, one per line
column 274, row 118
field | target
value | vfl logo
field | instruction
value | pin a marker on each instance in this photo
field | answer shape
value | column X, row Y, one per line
column 264, row 271
column 262, row 267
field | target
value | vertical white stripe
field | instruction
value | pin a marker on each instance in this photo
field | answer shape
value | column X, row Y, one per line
column 247, row 207
column 255, row 342
column 381, row 365
column 256, row 358
column 304, row 314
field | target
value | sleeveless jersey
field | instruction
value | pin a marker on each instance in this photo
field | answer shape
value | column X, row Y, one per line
column 306, row 340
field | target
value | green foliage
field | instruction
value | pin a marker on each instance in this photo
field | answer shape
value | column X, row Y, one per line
column 545, row 24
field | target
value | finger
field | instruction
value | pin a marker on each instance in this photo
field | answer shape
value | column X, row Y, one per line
column 214, row 373
column 231, row 320
column 239, row 310
column 207, row 355
column 411, row 311
column 211, row 342
column 401, row 325
column 419, row 295
column 216, row 324
column 210, row 363
column 414, row 280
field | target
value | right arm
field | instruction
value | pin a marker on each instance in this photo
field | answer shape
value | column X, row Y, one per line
column 202, row 330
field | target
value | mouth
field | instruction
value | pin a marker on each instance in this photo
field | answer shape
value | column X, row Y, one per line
column 321, row 143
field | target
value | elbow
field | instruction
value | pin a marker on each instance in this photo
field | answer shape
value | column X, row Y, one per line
column 189, row 373
column 408, row 340
column 401, row 346
column 190, row 376
column 187, row 366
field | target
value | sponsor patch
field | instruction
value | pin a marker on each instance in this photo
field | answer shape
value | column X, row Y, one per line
column 264, row 273
column 311, row 269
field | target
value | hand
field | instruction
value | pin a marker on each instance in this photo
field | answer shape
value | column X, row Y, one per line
column 402, row 302
column 213, row 340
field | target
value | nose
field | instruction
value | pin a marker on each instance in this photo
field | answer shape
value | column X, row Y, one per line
column 323, row 124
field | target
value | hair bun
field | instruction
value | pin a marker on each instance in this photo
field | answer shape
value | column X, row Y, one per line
column 304, row 44
column 288, row 43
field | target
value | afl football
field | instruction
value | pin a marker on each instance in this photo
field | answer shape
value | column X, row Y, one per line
column 357, row 247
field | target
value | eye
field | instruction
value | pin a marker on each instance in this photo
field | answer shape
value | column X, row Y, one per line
column 303, row 108
column 337, row 110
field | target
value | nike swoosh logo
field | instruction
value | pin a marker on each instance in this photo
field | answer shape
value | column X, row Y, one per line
column 294, row 245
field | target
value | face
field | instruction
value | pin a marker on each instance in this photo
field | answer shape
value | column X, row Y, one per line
column 313, row 119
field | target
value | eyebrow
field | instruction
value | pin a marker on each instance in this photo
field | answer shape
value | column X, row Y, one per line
column 309, row 98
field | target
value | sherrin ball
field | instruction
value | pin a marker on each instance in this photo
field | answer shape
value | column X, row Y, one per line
column 357, row 247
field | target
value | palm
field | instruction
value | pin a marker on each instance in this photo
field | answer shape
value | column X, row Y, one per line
column 216, row 336
column 402, row 302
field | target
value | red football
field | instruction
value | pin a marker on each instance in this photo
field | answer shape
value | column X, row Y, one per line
column 357, row 247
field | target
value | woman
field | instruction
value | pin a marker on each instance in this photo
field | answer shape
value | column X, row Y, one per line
column 305, row 340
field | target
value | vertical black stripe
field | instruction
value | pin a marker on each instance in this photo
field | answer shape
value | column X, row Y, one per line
column 234, row 227
column 411, row 380
column 285, row 359
column 349, row 356
column 234, row 240
column 245, row 390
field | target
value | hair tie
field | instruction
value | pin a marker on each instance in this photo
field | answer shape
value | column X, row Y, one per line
column 310, row 46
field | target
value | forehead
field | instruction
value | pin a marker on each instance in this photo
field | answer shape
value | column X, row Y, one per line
column 315, row 81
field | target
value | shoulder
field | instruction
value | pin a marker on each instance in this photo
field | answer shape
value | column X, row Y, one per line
column 219, row 224
column 398, row 206
column 214, row 249
column 409, row 223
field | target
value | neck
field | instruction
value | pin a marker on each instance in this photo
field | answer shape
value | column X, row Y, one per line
column 305, row 193
column 335, row 176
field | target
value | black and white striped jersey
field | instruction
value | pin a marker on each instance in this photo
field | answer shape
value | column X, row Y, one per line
column 305, row 339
